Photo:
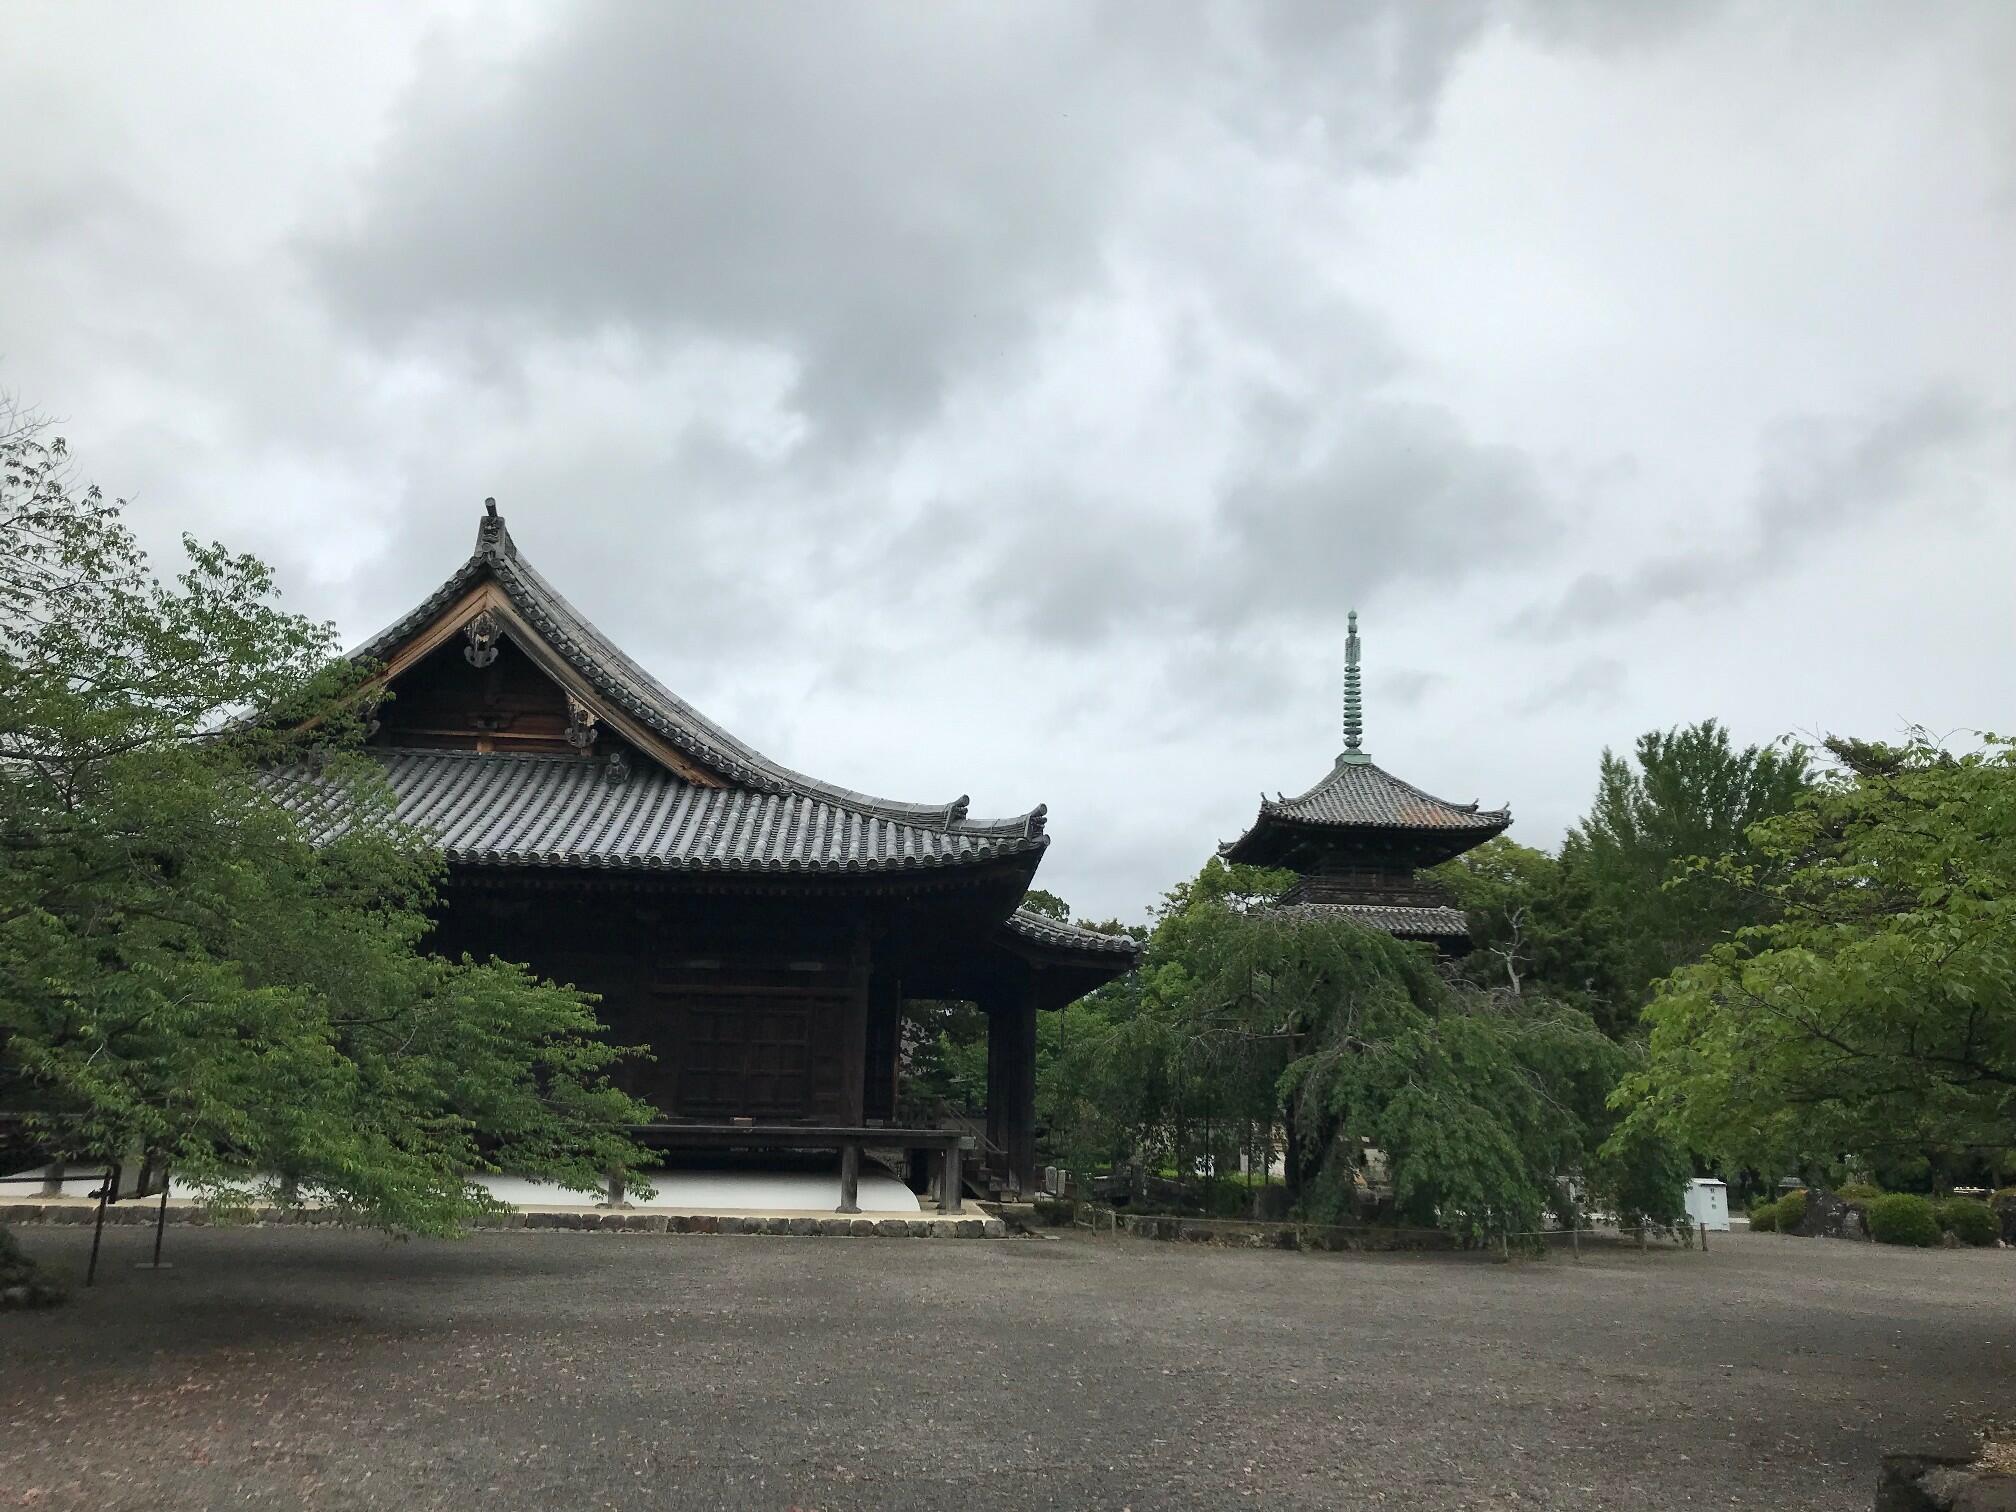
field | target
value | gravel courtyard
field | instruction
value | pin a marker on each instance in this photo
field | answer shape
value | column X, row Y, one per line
column 283, row 1367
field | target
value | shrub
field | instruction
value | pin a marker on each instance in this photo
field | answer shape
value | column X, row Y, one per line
column 21, row 1284
column 1972, row 1222
column 1901, row 1218
column 1859, row 1191
column 1791, row 1210
column 1763, row 1217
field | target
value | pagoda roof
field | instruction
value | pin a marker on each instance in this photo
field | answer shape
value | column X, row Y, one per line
column 1360, row 801
column 1406, row 922
column 704, row 801
column 1359, row 794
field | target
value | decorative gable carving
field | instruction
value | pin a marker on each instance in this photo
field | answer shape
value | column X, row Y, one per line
column 581, row 724
column 482, row 633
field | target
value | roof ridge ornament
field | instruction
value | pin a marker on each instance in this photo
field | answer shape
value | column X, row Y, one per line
column 1354, row 713
column 492, row 539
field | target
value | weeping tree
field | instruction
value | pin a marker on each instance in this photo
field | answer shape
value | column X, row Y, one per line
column 1134, row 1074
column 195, row 970
column 1251, row 1017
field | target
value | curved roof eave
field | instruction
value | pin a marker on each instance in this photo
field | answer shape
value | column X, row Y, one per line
column 1043, row 930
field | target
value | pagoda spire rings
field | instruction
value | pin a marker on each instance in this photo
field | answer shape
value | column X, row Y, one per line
column 1354, row 713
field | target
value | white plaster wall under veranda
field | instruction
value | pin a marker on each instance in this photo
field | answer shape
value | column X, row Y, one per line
column 678, row 1191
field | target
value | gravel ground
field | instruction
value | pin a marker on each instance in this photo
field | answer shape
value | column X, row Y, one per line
column 283, row 1368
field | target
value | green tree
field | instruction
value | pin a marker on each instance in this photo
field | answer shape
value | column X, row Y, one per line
column 212, row 929
column 1536, row 926
column 1048, row 904
column 1874, row 1012
column 944, row 1061
column 1246, row 1018
column 1686, row 793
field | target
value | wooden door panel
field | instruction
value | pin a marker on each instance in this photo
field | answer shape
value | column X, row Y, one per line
column 745, row 1059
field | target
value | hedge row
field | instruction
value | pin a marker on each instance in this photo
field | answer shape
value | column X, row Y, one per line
column 1892, row 1217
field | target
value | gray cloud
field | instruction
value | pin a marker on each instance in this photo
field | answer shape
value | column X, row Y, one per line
column 1595, row 680
column 1393, row 492
column 1405, row 687
column 890, row 196
column 1012, row 400
column 1821, row 478
column 1321, row 507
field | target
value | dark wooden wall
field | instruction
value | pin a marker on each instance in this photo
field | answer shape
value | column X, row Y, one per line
column 752, row 1009
column 778, row 1009
column 443, row 702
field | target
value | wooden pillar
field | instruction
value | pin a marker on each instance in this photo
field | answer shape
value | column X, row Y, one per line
column 854, row 1033
column 885, row 1028
column 995, row 1156
column 850, row 1178
column 1011, row 1083
column 951, row 1185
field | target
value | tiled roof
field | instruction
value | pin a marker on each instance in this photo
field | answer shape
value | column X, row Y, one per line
column 1406, row 923
column 549, row 810
column 1359, row 793
column 1044, row 930
column 615, row 676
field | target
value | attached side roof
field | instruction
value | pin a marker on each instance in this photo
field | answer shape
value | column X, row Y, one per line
column 1041, row 929
column 613, row 674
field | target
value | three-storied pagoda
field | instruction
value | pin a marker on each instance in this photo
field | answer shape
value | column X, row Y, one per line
column 1359, row 837
column 757, row 928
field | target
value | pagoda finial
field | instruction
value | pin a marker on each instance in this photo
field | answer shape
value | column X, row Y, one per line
column 1354, row 714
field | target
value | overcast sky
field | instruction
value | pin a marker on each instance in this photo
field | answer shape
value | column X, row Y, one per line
column 1013, row 399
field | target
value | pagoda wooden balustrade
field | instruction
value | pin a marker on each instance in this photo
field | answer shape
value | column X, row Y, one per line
column 947, row 1146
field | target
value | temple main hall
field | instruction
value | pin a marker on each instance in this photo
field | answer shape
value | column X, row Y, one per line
column 758, row 929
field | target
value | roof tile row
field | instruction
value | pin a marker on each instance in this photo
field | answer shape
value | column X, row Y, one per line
column 1360, row 793
column 1404, row 922
column 498, row 809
